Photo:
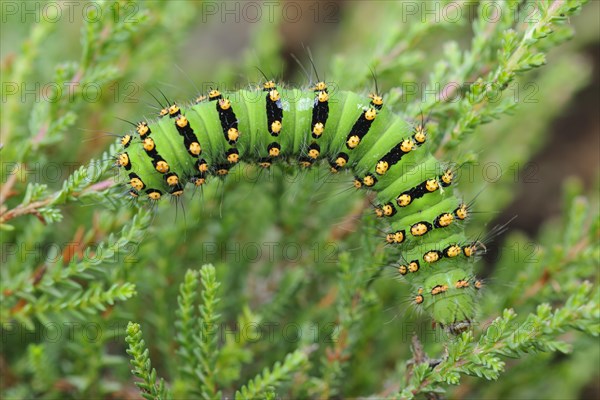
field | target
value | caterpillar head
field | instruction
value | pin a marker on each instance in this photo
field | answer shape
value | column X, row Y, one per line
column 450, row 298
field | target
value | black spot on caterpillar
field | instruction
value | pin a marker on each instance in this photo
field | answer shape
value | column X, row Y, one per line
column 348, row 131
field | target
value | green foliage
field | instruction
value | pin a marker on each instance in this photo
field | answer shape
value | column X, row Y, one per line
column 290, row 274
column 142, row 367
column 504, row 337
column 197, row 336
column 268, row 380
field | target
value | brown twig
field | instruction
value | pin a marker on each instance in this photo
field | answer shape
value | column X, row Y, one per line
column 33, row 208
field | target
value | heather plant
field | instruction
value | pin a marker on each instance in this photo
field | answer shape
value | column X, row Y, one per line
column 275, row 285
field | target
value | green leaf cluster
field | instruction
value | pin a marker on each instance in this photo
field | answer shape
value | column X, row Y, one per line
column 284, row 291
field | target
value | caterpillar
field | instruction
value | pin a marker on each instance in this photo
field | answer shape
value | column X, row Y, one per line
column 268, row 124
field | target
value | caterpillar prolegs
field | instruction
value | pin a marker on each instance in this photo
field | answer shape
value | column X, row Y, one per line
column 190, row 144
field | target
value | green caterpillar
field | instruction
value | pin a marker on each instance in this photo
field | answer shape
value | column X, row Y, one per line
column 413, row 190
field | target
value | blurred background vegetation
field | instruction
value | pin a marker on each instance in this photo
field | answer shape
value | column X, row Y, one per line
column 299, row 265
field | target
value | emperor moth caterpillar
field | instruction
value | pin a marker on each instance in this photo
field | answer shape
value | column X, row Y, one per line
column 190, row 144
